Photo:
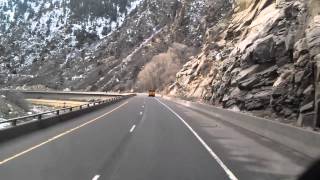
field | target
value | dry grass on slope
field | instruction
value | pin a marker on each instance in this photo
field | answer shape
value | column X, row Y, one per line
column 56, row 103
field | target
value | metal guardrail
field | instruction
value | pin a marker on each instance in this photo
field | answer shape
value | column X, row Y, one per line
column 37, row 117
column 68, row 92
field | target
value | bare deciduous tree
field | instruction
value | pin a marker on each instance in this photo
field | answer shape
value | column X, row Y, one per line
column 161, row 70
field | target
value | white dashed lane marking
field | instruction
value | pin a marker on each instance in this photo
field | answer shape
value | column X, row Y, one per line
column 132, row 128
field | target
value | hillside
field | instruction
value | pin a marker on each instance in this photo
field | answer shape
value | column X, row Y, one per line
column 245, row 55
column 57, row 44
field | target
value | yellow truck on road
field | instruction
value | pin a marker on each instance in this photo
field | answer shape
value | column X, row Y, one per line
column 152, row 93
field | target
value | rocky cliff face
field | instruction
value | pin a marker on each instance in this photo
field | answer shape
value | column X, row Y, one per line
column 260, row 57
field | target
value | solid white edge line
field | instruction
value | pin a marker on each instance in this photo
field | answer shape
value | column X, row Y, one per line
column 96, row 177
column 132, row 128
column 206, row 146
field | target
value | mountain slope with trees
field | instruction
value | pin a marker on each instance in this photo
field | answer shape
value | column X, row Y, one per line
column 245, row 55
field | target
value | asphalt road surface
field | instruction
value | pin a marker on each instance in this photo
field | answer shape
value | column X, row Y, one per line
column 146, row 138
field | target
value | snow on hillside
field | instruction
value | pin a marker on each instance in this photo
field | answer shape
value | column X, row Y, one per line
column 35, row 28
column 129, row 57
column 75, row 43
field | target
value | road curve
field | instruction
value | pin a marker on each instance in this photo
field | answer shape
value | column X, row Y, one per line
column 142, row 139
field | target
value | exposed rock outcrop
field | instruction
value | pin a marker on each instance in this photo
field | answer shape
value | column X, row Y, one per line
column 263, row 59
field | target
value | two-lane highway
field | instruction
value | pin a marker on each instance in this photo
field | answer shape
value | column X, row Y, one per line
column 161, row 147
column 142, row 139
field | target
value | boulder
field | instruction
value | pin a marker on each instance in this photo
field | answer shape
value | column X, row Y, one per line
column 262, row 51
column 307, row 108
column 263, row 78
column 235, row 93
column 254, row 104
column 302, row 60
column 281, row 47
column 263, row 93
column 286, row 112
column 306, row 115
column 300, row 48
column 233, row 98
column 283, row 79
column 203, row 66
column 309, row 90
column 249, row 83
column 257, row 101
column 245, row 73
column 271, row 72
column 298, row 77
column 229, row 103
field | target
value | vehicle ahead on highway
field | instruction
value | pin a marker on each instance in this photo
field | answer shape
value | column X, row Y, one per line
column 152, row 93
